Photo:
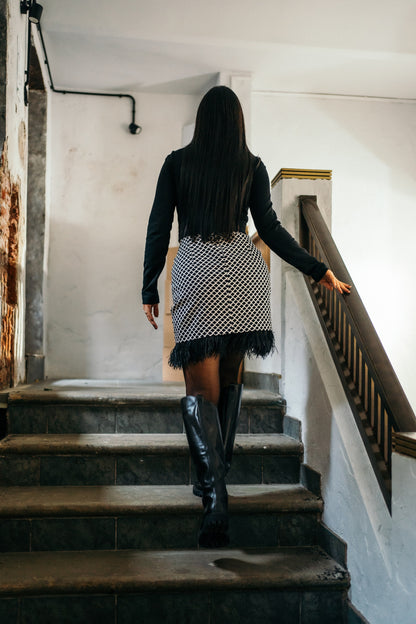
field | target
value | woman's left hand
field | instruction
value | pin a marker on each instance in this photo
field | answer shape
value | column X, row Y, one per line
column 151, row 310
column 332, row 283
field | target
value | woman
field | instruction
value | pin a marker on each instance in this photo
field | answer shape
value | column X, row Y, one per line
column 220, row 284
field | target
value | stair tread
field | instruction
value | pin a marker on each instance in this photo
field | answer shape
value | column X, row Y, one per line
column 149, row 443
column 133, row 571
column 127, row 500
column 84, row 391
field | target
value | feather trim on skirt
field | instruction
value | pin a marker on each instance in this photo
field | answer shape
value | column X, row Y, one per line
column 254, row 343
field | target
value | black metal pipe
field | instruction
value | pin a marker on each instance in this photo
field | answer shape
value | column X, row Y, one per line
column 29, row 43
column 133, row 127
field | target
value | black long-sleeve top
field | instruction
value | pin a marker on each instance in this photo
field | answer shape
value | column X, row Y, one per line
column 265, row 219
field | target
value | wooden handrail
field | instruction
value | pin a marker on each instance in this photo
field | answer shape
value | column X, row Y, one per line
column 373, row 389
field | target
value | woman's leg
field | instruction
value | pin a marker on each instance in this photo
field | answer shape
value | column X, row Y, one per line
column 204, row 378
column 230, row 401
column 203, row 431
column 231, row 369
column 225, row 389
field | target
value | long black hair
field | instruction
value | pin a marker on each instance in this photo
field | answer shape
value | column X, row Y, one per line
column 217, row 167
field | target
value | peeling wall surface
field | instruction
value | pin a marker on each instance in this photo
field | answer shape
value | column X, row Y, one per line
column 9, row 253
column 13, row 180
column 370, row 146
column 102, row 185
column 3, row 68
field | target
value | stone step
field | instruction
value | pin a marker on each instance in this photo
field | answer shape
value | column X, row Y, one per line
column 55, row 408
column 302, row 585
column 120, row 517
column 138, row 459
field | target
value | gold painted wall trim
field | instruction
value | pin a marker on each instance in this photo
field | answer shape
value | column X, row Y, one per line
column 404, row 443
column 303, row 174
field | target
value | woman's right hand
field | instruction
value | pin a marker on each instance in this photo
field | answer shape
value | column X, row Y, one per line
column 332, row 283
column 151, row 310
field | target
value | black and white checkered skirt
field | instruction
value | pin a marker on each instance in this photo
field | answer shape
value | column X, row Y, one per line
column 221, row 299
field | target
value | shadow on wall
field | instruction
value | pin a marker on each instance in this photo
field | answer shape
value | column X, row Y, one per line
column 318, row 418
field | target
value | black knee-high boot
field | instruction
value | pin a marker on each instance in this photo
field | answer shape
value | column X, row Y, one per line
column 203, row 431
column 229, row 411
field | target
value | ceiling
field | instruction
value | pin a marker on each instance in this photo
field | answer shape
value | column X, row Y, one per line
column 177, row 46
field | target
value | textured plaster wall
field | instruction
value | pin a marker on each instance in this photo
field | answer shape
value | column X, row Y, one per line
column 370, row 146
column 404, row 536
column 354, row 506
column 102, row 183
column 14, row 170
column 35, row 240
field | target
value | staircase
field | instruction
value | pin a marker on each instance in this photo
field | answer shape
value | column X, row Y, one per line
column 98, row 523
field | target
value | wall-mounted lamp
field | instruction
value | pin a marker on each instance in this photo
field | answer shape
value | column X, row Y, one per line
column 34, row 11
column 33, row 8
column 134, row 128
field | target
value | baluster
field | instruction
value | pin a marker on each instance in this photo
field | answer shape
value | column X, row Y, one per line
column 380, row 424
column 349, row 348
column 367, row 387
column 372, row 405
column 330, row 308
column 354, row 362
column 384, row 430
column 389, row 442
column 339, row 321
column 362, row 380
column 344, row 333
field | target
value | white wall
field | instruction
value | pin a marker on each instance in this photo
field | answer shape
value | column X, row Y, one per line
column 102, row 184
column 370, row 145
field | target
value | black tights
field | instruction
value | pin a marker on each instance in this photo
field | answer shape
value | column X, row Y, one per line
column 212, row 374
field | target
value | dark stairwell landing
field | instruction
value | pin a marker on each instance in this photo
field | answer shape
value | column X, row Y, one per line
column 98, row 521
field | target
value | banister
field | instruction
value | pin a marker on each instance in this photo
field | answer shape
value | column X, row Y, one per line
column 376, row 396
column 404, row 417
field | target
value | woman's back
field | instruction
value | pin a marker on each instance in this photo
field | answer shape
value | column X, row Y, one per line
column 216, row 168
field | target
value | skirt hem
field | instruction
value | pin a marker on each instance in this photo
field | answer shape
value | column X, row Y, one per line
column 254, row 343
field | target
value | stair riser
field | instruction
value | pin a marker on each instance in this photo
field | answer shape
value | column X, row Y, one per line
column 205, row 607
column 156, row 531
column 160, row 469
column 64, row 418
